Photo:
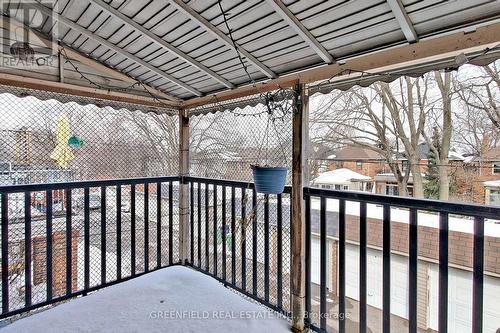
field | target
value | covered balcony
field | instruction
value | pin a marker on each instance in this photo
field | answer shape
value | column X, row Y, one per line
column 127, row 203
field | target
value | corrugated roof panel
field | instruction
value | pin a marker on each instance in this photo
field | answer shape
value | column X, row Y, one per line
column 449, row 14
column 363, row 31
column 132, row 7
column 343, row 27
column 148, row 11
column 300, row 57
column 268, row 25
column 275, row 45
column 346, row 46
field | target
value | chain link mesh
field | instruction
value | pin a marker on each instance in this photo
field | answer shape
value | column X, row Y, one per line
column 109, row 142
column 115, row 143
column 225, row 140
column 224, row 144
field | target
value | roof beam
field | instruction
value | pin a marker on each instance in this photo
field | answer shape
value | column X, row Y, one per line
column 392, row 59
column 72, row 89
column 209, row 27
column 403, row 19
column 72, row 25
column 8, row 23
column 160, row 42
column 282, row 10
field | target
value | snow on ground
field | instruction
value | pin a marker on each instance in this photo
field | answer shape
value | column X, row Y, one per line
column 427, row 219
column 173, row 299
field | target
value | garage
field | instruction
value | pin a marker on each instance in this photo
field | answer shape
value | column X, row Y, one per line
column 315, row 261
column 460, row 301
column 399, row 279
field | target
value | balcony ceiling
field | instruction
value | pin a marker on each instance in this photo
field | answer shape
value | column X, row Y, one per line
column 182, row 48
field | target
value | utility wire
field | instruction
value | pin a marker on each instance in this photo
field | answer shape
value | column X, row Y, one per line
column 129, row 88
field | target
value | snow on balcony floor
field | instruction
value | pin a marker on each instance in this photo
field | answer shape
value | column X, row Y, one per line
column 173, row 299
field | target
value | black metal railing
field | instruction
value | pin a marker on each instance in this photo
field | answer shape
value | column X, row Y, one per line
column 242, row 238
column 61, row 240
column 67, row 239
column 320, row 197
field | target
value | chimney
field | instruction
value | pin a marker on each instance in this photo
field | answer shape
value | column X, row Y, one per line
column 485, row 146
column 39, row 256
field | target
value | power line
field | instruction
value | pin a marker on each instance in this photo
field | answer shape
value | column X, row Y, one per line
column 473, row 164
column 110, row 88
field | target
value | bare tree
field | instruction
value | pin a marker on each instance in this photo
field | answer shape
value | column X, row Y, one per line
column 383, row 117
column 479, row 95
column 441, row 110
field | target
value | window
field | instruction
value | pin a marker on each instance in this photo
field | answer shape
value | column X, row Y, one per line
column 337, row 187
column 404, row 165
column 392, row 190
column 346, row 188
column 359, row 165
column 494, row 197
column 326, row 187
column 339, row 164
column 496, row 168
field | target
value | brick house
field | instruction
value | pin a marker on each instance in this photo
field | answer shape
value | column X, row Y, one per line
column 359, row 159
column 479, row 180
column 370, row 163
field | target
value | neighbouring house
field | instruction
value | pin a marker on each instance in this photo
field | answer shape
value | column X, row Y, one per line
column 479, row 179
column 359, row 159
column 17, row 174
column 343, row 179
column 385, row 183
column 492, row 192
column 368, row 162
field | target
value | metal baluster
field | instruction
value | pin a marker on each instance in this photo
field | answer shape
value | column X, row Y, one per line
column 69, row 242
column 118, row 232
column 323, row 262
column 103, row 235
column 48, row 205
column 27, row 249
column 443, row 273
column 146, row 227
column 362, row 267
column 412, row 292
column 478, row 275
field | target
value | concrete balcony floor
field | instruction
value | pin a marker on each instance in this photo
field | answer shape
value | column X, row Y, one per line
column 173, row 299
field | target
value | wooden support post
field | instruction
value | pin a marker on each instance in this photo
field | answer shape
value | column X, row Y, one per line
column 184, row 186
column 299, row 174
column 61, row 66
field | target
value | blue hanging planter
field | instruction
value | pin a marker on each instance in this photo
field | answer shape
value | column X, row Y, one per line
column 75, row 142
column 269, row 180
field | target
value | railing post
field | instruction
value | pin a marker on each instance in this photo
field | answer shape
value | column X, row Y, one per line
column 184, row 186
column 299, row 178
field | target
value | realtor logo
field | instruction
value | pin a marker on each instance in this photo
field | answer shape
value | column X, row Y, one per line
column 23, row 43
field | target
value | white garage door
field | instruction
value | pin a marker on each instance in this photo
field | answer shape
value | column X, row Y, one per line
column 399, row 279
column 460, row 301
column 315, row 262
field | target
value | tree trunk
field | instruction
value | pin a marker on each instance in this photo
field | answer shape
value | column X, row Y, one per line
column 418, row 183
column 444, row 180
column 402, row 187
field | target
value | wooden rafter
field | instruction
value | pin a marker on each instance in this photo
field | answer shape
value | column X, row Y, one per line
column 72, row 89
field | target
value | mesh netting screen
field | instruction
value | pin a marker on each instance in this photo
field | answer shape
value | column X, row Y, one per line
column 49, row 140
column 225, row 143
